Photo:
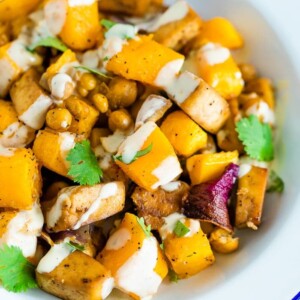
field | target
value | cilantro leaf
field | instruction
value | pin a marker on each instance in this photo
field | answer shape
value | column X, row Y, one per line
column 180, row 229
column 107, row 23
column 93, row 71
column 146, row 229
column 84, row 167
column 75, row 246
column 162, row 246
column 138, row 154
column 173, row 277
column 275, row 183
column 106, row 58
column 256, row 137
column 48, row 42
column 16, row 272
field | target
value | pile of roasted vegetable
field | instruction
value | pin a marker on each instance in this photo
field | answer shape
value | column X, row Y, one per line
column 132, row 145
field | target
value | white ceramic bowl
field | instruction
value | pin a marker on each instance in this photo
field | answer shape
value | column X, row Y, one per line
column 267, row 266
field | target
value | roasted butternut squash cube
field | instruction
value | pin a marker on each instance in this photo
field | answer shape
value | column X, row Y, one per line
column 13, row 133
column 12, row 9
column 12, row 64
column 20, row 178
column 134, row 259
column 217, row 67
column 146, row 59
column 250, row 196
column 203, row 104
column 75, row 276
column 185, row 135
column 177, row 33
column 77, row 206
column 51, row 149
column 137, row 8
column 158, row 167
column 221, row 31
column 210, row 166
column 187, row 253
column 30, row 100
column 21, row 229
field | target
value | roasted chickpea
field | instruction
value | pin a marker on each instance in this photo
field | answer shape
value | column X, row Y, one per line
column 54, row 188
column 59, row 119
column 122, row 92
column 100, row 102
column 248, row 72
column 222, row 241
column 76, row 107
column 88, row 81
column 119, row 119
column 82, row 91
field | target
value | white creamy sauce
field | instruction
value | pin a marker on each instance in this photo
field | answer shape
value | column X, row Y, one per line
column 64, row 124
column 55, row 15
column 16, row 135
column 59, row 83
column 7, row 76
column 6, row 151
column 35, row 115
column 90, row 59
column 137, row 274
column 262, row 110
column 53, row 258
column 176, row 12
column 170, row 223
column 214, row 54
column 171, row 186
column 166, row 171
column 149, row 108
column 54, row 214
column 182, row 87
column 73, row 3
column 194, row 227
column 23, row 229
column 118, row 239
column 122, row 31
column 41, row 29
column 244, row 170
column 112, row 142
column 107, row 287
column 135, row 142
column 69, row 68
column 107, row 190
column 66, row 142
column 104, row 157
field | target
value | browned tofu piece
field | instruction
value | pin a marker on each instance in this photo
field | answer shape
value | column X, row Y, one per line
column 77, row 277
column 30, row 100
column 153, row 206
column 206, row 107
column 76, row 206
column 177, row 33
column 250, row 198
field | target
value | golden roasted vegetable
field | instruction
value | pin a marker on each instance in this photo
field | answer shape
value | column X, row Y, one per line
column 186, row 136
column 20, row 178
column 75, row 277
column 222, row 241
column 12, row 9
column 250, row 196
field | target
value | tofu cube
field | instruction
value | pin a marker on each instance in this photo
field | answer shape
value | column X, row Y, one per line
column 77, row 206
column 210, row 166
column 190, row 253
column 73, row 276
column 185, row 135
column 157, row 167
column 51, row 149
column 21, row 229
column 30, row 100
column 134, row 259
column 250, row 196
column 20, row 178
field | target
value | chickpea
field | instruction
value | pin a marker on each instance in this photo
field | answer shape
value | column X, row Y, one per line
column 100, row 102
column 55, row 82
column 59, row 119
column 77, row 107
column 54, row 188
column 82, row 91
column 222, row 241
column 119, row 119
column 248, row 72
column 88, row 81
column 122, row 92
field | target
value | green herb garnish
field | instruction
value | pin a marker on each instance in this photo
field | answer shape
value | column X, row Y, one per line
column 50, row 41
column 146, row 229
column 75, row 246
column 93, row 71
column 107, row 23
column 173, row 277
column 256, row 137
column 138, row 154
column 84, row 167
column 275, row 183
column 180, row 229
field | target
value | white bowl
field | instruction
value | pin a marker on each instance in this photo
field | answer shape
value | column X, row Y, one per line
column 267, row 266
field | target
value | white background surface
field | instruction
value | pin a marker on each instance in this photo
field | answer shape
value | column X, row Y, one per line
column 268, row 265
